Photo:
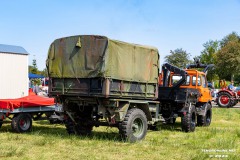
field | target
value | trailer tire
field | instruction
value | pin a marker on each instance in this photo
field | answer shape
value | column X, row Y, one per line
column 188, row 120
column 205, row 120
column 22, row 123
column 134, row 126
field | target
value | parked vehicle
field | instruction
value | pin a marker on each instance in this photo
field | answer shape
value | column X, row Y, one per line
column 21, row 111
column 228, row 98
column 185, row 94
column 105, row 82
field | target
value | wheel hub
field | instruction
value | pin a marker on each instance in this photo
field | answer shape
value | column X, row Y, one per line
column 137, row 127
column 224, row 100
column 24, row 124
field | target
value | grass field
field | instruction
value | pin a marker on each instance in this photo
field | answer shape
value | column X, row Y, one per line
column 219, row 141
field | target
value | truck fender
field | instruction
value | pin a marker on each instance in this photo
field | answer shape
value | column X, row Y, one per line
column 187, row 108
column 202, row 109
column 121, row 112
column 230, row 92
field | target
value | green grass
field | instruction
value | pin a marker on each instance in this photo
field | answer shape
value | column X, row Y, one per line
column 47, row 141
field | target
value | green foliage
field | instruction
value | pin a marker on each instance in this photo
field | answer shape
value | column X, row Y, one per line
column 228, row 60
column 208, row 56
column 34, row 69
column 232, row 37
column 179, row 58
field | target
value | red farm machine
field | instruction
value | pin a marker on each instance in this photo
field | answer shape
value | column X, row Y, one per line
column 227, row 98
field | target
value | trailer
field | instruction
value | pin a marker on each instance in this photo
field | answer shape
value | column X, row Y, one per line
column 22, row 111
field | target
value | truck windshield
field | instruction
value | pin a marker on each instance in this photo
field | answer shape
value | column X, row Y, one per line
column 176, row 78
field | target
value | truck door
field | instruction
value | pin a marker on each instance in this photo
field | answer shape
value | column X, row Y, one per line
column 203, row 88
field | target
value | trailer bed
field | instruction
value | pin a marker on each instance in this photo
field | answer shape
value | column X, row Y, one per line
column 22, row 110
column 31, row 101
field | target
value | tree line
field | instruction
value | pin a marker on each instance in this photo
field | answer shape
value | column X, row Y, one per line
column 224, row 54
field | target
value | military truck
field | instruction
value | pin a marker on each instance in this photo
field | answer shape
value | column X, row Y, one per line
column 104, row 82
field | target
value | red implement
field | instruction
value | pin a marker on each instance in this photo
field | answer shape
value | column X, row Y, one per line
column 28, row 101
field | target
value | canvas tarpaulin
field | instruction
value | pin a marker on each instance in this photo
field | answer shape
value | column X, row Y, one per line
column 99, row 56
column 28, row 101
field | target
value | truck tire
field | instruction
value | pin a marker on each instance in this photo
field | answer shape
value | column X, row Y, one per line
column 83, row 130
column 1, row 122
column 224, row 99
column 69, row 126
column 134, row 126
column 22, row 123
column 205, row 120
column 188, row 120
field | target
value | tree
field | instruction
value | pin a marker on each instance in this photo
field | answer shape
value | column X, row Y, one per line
column 208, row 56
column 33, row 69
column 228, row 57
column 178, row 57
column 230, row 38
column 44, row 72
column 228, row 60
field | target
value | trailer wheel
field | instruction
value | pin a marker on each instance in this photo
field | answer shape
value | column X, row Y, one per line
column 188, row 120
column 224, row 100
column 205, row 120
column 22, row 123
column 134, row 127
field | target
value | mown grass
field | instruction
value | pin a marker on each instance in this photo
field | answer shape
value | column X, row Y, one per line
column 221, row 139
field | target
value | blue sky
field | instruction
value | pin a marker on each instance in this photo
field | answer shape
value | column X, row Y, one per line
column 167, row 25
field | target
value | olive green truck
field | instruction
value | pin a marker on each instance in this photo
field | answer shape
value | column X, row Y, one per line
column 104, row 82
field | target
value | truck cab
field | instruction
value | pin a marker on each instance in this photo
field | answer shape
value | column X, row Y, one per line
column 197, row 80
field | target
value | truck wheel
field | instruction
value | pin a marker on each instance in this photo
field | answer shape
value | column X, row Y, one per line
column 83, row 130
column 134, row 126
column 188, row 121
column 1, row 122
column 69, row 126
column 224, row 100
column 22, row 123
column 205, row 120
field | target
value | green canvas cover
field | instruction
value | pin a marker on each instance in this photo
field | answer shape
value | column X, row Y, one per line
column 91, row 56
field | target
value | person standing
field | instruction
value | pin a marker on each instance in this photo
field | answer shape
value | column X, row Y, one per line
column 36, row 88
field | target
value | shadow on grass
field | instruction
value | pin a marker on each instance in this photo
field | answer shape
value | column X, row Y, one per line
column 170, row 127
column 44, row 128
column 57, row 130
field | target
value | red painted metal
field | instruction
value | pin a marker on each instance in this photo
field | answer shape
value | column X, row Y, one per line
column 224, row 99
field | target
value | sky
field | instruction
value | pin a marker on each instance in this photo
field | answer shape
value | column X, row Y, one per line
column 165, row 24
